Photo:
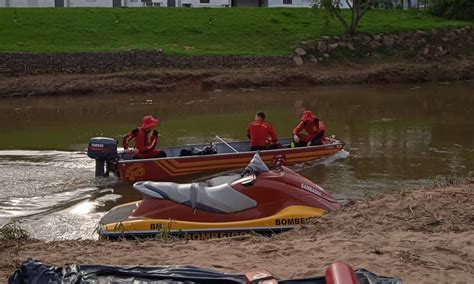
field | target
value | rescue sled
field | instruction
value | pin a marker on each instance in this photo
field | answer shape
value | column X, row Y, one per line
column 195, row 160
column 261, row 201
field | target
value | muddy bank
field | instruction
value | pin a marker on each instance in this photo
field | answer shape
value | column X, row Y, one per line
column 209, row 79
column 423, row 236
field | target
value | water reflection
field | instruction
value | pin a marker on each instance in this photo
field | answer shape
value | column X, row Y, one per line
column 398, row 136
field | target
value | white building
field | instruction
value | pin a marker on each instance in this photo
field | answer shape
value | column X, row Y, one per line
column 114, row 3
column 27, row 3
column 160, row 3
column 290, row 3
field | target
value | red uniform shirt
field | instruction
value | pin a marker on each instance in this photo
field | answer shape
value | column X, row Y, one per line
column 313, row 129
column 261, row 134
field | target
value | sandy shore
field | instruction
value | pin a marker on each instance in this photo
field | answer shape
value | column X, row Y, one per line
column 181, row 79
column 422, row 236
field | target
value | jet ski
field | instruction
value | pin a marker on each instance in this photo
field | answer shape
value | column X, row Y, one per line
column 261, row 201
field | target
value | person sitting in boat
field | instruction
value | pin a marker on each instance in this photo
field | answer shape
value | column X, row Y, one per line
column 146, row 138
column 261, row 134
column 315, row 131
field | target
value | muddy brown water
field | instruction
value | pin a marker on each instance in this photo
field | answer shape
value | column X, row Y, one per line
column 397, row 137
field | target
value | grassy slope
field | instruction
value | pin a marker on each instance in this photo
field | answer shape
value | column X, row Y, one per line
column 184, row 31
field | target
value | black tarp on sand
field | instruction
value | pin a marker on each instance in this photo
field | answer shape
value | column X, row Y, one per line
column 34, row 272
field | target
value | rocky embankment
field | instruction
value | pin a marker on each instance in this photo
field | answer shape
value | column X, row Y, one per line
column 422, row 236
column 420, row 46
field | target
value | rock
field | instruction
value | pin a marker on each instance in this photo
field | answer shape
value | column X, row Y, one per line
column 325, row 37
column 342, row 44
column 426, row 51
column 377, row 37
column 313, row 59
column 298, row 60
column 299, row 51
column 420, row 32
column 326, row 55
column 332, row 46
column 350, row 46
column 388, row 41
column 451, row 34
column 336, row 37
column 445, row 39
column 320, row 59
column 367, row 38
column 374, row 44
column 440, row 48
column 322, row 46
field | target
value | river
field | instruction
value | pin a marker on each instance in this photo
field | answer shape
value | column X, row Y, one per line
column 397, row 137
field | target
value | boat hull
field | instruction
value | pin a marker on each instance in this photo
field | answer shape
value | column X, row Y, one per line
column 286, row 219
column 161, row 169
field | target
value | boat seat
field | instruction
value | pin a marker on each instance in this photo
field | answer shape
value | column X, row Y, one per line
column 218, row 199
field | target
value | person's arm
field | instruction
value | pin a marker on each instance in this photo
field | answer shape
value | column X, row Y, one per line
column 297, row 129
column 248, row 131
column 320, row 134
column 129, row 136
column 273, row 134
column 154, row 140
column 321, row 130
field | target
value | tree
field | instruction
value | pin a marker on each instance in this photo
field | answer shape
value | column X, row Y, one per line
column 334, row 7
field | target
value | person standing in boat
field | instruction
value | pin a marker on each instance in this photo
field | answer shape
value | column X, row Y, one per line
column 261, row 134
column 146, row 138
column 315, row 131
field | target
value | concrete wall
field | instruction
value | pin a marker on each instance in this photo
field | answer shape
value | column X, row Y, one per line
column 198, row 4
column 90, row 3
column 26, row 3
column 132, row 3
column 294, row 4
column 246, row 3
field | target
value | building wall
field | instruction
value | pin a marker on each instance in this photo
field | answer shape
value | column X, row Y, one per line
column 247, row 3
column 26, row 3
column 132, row 3
column 294, row 3
column 89, row 3
column 197, row 3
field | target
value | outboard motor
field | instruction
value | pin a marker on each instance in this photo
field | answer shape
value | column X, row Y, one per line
column 104, row 151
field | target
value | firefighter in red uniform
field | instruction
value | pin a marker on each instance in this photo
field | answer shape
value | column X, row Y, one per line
column 261, row 134
column 314, row 127
column 145, row 139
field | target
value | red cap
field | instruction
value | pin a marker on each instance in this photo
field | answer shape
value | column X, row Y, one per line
column 308, row 116
column 149, row 122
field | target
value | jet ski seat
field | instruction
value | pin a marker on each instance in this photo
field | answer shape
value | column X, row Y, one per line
column 217, row 199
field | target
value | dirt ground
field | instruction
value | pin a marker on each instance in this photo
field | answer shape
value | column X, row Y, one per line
column 180, row 79
column 422, row 236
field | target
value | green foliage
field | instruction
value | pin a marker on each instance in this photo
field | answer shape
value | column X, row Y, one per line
column 453, row 9
column 13, row 231
column 208, row 31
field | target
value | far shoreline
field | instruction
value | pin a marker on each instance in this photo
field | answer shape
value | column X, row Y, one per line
column 184, row 79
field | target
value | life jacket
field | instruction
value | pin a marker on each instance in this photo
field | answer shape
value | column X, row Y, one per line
column 313, row 128
column 143, row 142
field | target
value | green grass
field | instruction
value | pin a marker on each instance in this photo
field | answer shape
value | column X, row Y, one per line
column 185, row 31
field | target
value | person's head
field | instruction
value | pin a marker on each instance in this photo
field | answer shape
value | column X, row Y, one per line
column 149, row 122
column 308, row 116
column 260, row 116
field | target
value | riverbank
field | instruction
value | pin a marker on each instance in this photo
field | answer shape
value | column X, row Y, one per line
column 422, row 236
column 236, row 31
column 157, row 80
